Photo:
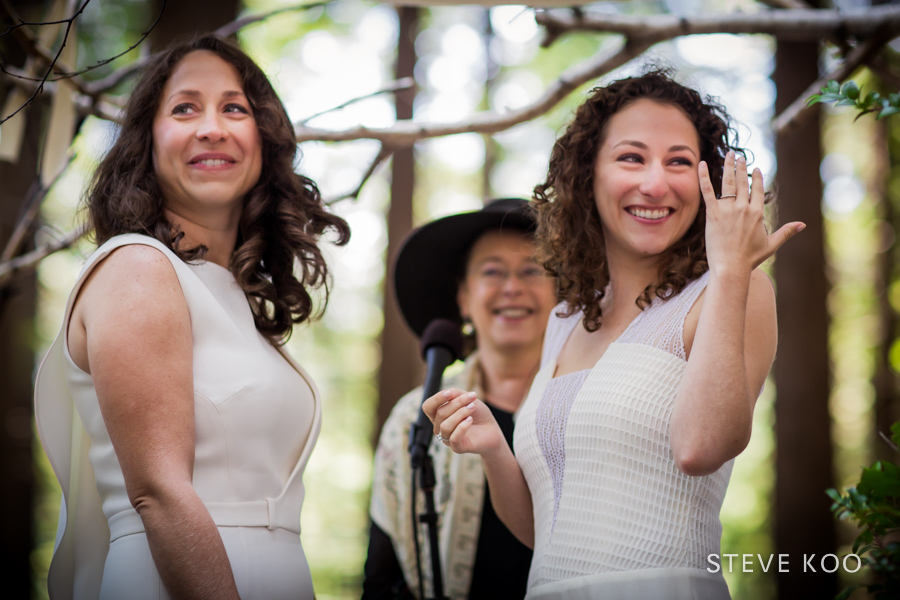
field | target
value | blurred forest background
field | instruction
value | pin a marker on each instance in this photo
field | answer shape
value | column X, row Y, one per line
column 348, row 63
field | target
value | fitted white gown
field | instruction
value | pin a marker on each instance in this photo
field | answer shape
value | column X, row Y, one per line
column 257, row 416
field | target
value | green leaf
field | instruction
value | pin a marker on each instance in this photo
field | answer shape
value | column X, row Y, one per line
column 829, row 97
column 813, row 99
column 850, row 90
column 882, row 480
column 870, row 100
column 832, row 86
column 846, row 102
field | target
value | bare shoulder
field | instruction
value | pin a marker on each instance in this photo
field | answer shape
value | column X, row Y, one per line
column 134, row 288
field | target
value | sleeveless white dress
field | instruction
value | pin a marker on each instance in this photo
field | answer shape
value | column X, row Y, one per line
column 257, row 416
column 614, row 517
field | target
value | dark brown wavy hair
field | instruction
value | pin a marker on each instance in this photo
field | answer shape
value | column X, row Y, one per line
column 283, row 214
column 569, row 235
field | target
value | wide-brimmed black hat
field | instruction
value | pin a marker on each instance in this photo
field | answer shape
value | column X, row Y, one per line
column 430, row 263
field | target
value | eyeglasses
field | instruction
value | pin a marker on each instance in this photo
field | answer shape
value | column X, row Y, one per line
column 495, row 275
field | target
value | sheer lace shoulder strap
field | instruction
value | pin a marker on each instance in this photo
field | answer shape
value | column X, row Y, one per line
column 558, row 330
column 661, row 325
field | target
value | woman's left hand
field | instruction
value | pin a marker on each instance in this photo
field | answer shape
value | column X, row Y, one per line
column 736, row 236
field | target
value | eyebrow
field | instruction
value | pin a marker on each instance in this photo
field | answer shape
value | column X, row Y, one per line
column 195, row 93
column 643, row 146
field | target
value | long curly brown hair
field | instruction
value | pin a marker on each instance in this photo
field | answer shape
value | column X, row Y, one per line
column 283, row 214
column 569, row 235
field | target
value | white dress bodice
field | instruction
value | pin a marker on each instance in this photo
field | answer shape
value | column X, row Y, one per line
column 594, row 448
column 256, row 418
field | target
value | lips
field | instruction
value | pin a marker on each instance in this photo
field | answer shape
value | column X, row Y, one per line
column 649, row 214
column 513, row 312
column 212, row 160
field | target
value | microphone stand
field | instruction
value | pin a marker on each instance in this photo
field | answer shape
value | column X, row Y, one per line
column 420, row 436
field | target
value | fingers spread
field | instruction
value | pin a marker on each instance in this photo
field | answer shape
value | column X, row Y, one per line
column 742, row 190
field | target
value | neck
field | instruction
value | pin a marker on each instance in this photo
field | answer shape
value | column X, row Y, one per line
column 629, row 278
column 219, row 241
column 507, row 375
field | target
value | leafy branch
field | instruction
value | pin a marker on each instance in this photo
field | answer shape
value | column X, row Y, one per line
column 874, row 506
column 850, row 94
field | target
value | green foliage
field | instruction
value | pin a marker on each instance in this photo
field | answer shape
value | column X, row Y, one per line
column 874, row 506
column 850, row 94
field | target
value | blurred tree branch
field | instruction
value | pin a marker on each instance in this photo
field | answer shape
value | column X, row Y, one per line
column 865, row 32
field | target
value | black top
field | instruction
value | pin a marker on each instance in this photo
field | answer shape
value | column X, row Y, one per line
column 501, row 561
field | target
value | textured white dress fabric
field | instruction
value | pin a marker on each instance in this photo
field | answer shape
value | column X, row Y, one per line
column 257, row 416
column 614, row 517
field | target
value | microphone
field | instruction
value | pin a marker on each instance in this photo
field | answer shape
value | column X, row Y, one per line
column 441, row 345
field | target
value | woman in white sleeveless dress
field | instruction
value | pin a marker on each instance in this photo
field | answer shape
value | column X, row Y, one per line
column 652, row 364
column 177, row 425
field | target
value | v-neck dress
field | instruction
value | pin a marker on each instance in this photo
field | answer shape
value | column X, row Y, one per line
column 256, row 416
column 614, row 517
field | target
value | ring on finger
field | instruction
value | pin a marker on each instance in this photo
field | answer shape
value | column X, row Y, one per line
column 723, row 196
column 440, row 438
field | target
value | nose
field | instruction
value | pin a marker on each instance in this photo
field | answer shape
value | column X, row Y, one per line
column 211, row 127
column 512, row 285
column 654, row 184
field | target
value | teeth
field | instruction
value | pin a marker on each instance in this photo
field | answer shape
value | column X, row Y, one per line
column 514, row 313
column 643, row 213
column 212, row 162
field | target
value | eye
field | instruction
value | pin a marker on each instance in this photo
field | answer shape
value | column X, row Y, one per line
column 182, row 109
column 493, row 272
column 236, row 108
column 682, row 161
column 632, row 158
column 532, row 272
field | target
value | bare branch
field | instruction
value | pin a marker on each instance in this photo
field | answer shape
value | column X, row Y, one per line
column 100, row 86
column 406, row 133
column 885, row 72
column 785, row 3
column 793, row 115
column 22, row 264
column 796, row 25
column 32, row 204
column 384, row 153
column 40, row 52
column 403, row 83
column 230, row 29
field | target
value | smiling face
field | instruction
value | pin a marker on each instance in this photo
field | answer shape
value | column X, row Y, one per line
column 206, row 146
column 506, row 294
column 645, row 179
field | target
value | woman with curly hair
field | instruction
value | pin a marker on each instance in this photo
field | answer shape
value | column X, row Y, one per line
column 653, row 363
column 176, row 423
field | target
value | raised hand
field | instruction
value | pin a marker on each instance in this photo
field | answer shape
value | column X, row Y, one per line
column 464, row 422
column 736, row 236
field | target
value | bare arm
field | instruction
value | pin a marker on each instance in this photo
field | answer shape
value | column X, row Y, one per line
column 131, row 330
column 467, row 426
column 735, row 338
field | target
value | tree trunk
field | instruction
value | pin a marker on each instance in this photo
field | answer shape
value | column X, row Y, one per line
column 803, row 522
column 401, row 367
column 887, row 408
column 17, row 344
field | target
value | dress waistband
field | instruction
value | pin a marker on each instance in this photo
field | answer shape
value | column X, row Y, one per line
column 257, row 513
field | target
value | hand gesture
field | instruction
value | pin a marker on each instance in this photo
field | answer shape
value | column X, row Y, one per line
column 736, row 236
column 463, row 422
